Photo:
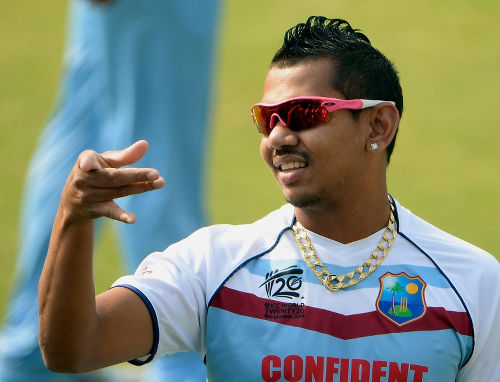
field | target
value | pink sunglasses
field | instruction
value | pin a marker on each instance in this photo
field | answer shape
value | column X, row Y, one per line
column 303, row 112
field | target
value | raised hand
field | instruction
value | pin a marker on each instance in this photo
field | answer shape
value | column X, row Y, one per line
column 74, row 327
column 97, row 179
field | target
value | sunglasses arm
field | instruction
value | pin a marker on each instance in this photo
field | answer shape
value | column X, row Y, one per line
column 337, row 104
column 371, row 103
column 352, row 104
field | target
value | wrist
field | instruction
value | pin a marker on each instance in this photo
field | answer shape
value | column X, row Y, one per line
column 68, row 217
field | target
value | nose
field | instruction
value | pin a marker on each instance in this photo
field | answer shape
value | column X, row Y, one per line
column 281, row 136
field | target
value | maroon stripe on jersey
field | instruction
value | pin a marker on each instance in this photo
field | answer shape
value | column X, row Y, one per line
column 336, row 324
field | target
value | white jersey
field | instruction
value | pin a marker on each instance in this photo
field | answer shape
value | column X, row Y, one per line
column 243, row 296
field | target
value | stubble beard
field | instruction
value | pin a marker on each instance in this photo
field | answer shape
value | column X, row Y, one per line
column 313, row 200
column 305, row 201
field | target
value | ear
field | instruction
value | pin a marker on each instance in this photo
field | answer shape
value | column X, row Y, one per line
column 384, row 121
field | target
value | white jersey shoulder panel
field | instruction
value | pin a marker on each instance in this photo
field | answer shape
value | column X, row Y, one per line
column 475, row 275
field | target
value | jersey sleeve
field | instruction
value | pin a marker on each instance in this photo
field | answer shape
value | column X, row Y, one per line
column 484, row 365
column 172, row 286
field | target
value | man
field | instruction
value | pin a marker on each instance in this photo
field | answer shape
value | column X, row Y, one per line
column 129, row 68
column 342, row 283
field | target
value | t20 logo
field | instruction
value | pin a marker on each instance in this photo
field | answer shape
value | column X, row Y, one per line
column 283, row 282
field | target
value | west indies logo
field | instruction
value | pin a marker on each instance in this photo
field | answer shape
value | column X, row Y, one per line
column 401, row 298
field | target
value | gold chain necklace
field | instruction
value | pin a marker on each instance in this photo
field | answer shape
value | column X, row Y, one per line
column 336, row 282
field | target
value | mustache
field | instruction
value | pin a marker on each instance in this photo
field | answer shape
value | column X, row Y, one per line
column 290, row 151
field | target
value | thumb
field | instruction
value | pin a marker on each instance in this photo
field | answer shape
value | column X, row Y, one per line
column 126, row 156
column 89, row 161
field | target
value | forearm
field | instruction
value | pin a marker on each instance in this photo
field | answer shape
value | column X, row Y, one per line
column 68, row 318
column 77, row 332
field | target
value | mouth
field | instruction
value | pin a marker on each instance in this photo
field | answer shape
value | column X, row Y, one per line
column 287, row 160
column 290, row 167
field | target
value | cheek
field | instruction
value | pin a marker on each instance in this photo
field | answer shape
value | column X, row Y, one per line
column 265, row 152
column 331, row 155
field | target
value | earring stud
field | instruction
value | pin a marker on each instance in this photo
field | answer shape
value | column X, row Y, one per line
column 374, row 146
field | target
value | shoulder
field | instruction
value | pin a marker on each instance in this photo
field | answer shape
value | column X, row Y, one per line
column 214, row 253
column 473, row 273
column 441, row 247
column 261, row 233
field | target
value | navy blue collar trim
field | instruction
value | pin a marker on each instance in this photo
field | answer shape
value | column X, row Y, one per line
column 252, row 258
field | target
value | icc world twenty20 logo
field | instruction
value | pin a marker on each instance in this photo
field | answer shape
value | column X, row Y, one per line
column 283, row 282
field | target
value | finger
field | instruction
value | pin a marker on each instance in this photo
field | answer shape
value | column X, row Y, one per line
column 112, row 178
column 113, row 211
column 129, row 155
column 89, row 161
column 107, row 194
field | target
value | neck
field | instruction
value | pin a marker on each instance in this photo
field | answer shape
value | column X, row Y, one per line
column 349, row 219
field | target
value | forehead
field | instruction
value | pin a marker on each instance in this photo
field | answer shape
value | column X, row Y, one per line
column 307, row 78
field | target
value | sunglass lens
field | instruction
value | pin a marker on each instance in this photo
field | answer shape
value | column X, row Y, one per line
column 261, row 120
column 305, row 114
column 298, row 115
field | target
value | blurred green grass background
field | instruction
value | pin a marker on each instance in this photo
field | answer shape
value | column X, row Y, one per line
column 446, row 163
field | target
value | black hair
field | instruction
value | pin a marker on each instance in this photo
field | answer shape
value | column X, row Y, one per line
column 361, row 71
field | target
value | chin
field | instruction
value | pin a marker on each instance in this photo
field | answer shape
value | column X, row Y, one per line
column 304, row 201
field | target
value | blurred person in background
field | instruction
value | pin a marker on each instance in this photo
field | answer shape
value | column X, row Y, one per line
column 132, row 70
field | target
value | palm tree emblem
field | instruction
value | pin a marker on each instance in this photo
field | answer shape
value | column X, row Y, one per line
column 395, row 289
